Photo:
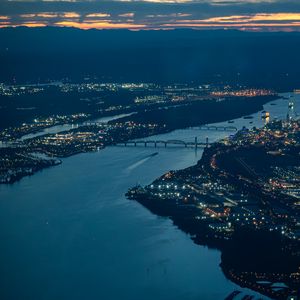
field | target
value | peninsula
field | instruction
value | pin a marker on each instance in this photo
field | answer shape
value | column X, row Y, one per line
column 243, row 198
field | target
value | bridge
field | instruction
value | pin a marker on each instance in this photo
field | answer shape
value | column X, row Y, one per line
column 91, row 123
column 215, row 128
column 157, row 143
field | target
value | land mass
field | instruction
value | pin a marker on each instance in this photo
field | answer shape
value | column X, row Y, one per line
column 163, row 56
column 243, row 198
column 17, row 161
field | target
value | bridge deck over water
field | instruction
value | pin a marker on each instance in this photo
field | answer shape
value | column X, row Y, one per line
column 216, row 128
column 157, row 143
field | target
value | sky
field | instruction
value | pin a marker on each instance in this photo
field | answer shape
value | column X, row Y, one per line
column 252, row 15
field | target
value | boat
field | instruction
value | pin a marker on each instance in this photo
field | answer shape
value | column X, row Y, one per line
column 153, row 154
column 231, row 121
column 265, row 115
column 232, row 295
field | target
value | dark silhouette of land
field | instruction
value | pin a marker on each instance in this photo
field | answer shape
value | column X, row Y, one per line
column 182, row 55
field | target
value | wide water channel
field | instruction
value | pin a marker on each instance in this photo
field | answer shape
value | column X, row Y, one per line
column 68, row 232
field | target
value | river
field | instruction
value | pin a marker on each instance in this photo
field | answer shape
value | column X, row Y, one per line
column 68, row 232
column 66, row 127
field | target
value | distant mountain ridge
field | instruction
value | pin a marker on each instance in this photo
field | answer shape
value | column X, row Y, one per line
column 268, row 59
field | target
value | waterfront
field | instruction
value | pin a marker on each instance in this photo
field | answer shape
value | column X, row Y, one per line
column 69, row 232
column 66, row 127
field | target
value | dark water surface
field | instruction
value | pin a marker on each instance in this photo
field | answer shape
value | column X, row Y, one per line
column 68, row 232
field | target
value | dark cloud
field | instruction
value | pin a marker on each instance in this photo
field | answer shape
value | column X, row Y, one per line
column 248, row 14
